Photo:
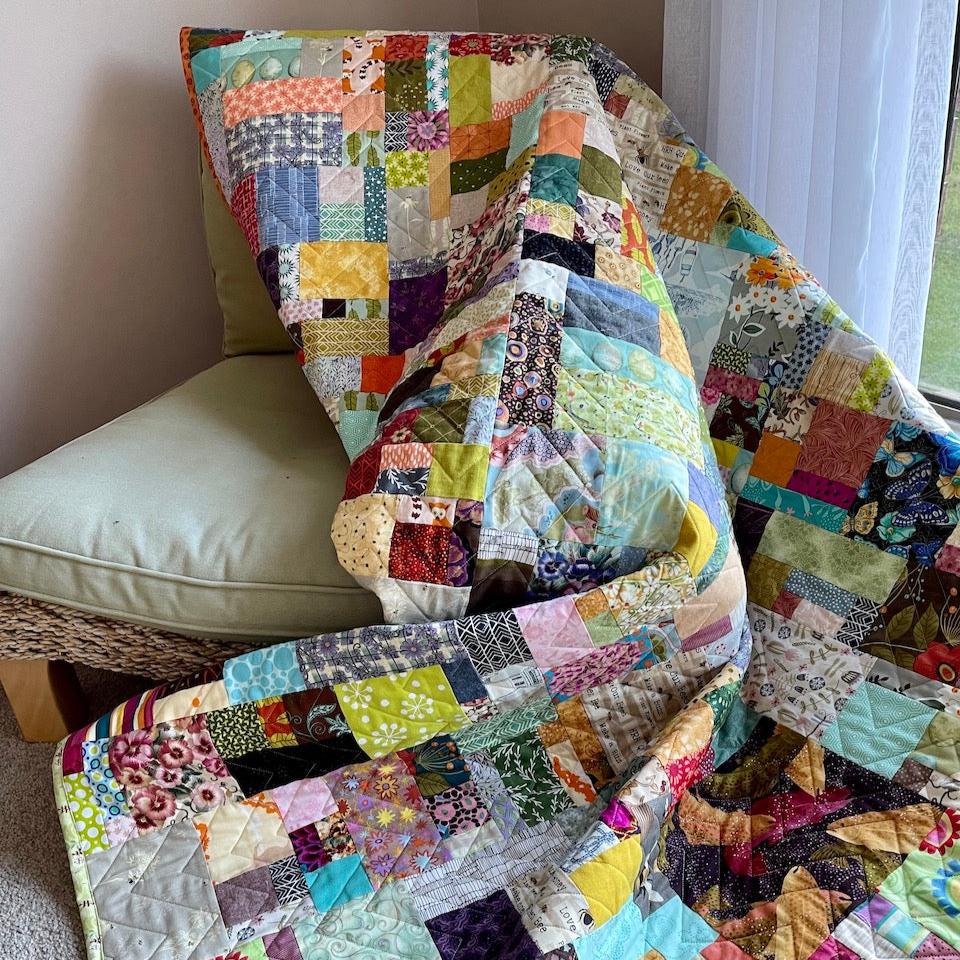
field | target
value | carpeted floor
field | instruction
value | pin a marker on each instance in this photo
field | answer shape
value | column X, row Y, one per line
column 38, row 916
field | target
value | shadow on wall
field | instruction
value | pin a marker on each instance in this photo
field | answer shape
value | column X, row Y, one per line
column 105, row 327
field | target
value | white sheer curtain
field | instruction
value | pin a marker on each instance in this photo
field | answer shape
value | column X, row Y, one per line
column 830, row 116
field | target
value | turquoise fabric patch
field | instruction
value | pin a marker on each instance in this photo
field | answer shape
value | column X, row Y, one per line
column 750, row 242
column 259, row 674
column 878, row 729
column 357, row 428
column 621, row 936
column 524, row 129
column 205, row 67
column 338, row 882
column 676, row 932
column 554, row 179
column 645, row 496
column 740, row 723
column 827, row 516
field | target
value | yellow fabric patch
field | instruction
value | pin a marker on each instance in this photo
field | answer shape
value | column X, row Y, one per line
column 607, row 880
column 726, row 453
column 344, row 269
column 459, row 471
column 342, row 338
column 361, row 533
column 398, row 711
column 698, row 538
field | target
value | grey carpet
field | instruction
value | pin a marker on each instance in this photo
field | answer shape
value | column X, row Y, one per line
column 38, row 915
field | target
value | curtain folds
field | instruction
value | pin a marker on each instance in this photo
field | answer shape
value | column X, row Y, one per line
column 830, row 115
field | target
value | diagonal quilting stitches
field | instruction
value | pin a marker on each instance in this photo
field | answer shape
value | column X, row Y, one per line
column 155, row 897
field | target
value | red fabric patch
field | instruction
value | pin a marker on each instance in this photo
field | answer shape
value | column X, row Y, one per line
column 243, row 202
column 379, row 374
column 466, row 44
column 419, row 552
column 786, row 604
column 363, row 473
column 406, row 47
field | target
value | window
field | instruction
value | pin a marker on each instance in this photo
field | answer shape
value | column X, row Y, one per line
column 940, row 363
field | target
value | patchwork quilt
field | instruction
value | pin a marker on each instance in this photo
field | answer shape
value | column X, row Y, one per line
column 668, row 549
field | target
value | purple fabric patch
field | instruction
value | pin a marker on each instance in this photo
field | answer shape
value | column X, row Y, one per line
column 416, row 304
column 309, row 848
column 829, row 491
column 247, row 896
column 282, row 945
column 704, row 495
column 489, row 927
column 708, row 634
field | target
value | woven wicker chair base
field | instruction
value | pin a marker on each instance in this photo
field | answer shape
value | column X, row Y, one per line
column 34, row 630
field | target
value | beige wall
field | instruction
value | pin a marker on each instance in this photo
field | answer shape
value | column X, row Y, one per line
column 105, row 293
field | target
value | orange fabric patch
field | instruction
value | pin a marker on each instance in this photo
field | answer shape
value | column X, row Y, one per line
column 292, row 95
column 479, row 139
column 775, row 459
column 363, row 111
column 561, row 132
column 379, row 374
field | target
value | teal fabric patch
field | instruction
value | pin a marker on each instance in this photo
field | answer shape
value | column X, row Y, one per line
column 740, row 723
column 259, row 674
column 357, row 429
column 749, row 242
column 554, row 179
column 337, row 882
column 878, row 729
column 827, row 516
column 205, row 67
column 524, row 129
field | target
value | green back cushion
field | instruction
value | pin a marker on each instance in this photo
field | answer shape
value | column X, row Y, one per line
column 250, row 323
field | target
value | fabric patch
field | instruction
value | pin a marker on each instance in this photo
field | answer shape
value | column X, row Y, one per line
column 388, row 713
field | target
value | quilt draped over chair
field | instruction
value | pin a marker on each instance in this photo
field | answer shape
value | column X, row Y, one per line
column 669, row 548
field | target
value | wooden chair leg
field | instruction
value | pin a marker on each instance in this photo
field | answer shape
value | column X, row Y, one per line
column 45, row 696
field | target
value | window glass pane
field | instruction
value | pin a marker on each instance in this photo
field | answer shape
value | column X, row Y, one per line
column 940, row 365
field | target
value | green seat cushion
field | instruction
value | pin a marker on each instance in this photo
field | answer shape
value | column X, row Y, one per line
column 207, row 511
column 250, row 323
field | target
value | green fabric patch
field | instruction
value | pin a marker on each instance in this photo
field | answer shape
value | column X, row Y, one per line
column 600, row 174
column 856, row 567
column 458, row 471
column 444, row 423
column 469, row 175
column 406, row 86
column 469, row 90
column 528, row 775
column 939, row 747
column 237, row 730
